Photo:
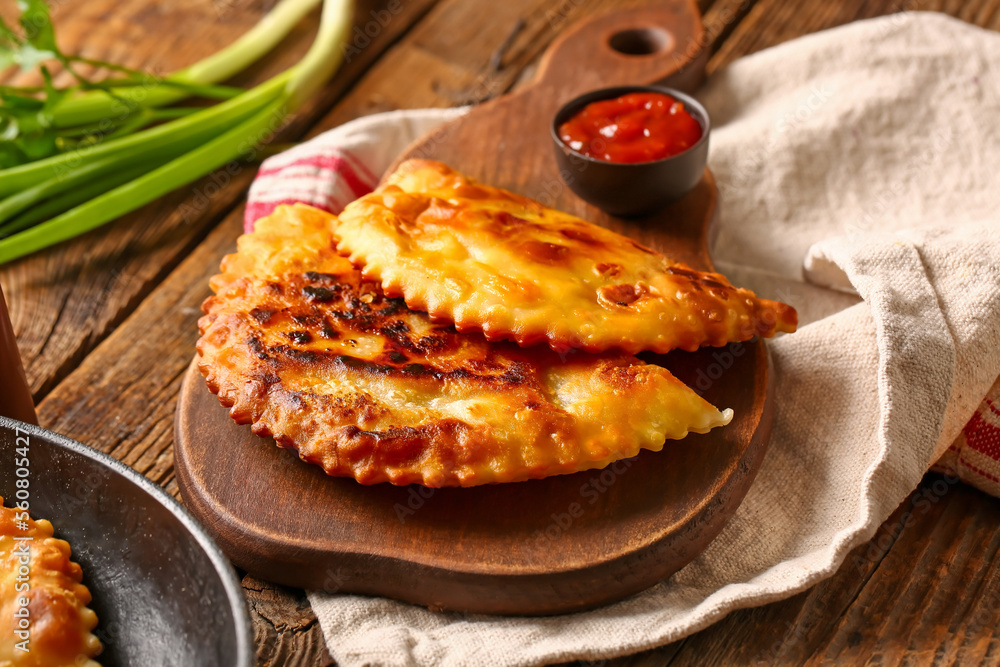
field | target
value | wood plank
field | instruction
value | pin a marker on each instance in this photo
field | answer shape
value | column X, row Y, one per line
column 759, row 632
column 286, row 631
column 65, row 300
column 150, row 368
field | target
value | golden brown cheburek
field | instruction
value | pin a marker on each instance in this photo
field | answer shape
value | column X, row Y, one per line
column 59, row 620
column 303, row 348
column 493, row 261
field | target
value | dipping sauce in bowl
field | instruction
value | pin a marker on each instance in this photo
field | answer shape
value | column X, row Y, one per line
column 631, row 150
column 632, row 128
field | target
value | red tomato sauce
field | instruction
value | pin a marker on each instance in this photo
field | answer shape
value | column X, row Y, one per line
column 636, row 127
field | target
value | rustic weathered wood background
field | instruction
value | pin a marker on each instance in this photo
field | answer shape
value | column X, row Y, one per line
column 106, row 323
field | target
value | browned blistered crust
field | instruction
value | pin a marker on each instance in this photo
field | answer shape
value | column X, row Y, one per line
column 299, row 345
column 60, row 621
column 493, row 261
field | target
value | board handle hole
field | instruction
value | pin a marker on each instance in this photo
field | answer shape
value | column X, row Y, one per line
column 639, row 41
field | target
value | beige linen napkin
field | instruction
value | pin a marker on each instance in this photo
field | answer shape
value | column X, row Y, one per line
column 859, row 162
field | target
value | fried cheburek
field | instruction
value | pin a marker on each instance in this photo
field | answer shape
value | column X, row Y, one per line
column 299, row 345
column 493, row 261
column 38, row 571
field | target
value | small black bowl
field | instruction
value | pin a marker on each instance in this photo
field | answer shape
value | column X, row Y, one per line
column 163, row 592
column 641, row 188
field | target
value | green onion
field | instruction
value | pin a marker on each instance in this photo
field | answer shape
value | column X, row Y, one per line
column 71, row 198
column 87, row 188
column 205, row 123
column 92, row 106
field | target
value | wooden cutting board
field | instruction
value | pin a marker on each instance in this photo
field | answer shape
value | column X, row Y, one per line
column 547, row 546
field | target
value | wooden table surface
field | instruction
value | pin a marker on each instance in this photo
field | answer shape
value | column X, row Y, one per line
column 106, row 324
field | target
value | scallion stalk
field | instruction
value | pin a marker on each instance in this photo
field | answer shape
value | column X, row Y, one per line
column 250, row 119
column 70, row 198
column 209, row 122
column 92, row 106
